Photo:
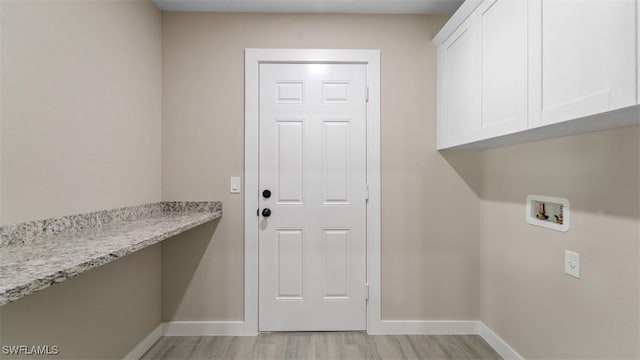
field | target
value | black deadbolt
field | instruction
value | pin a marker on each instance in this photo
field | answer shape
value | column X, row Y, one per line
column 266, row 212
column 266, row 194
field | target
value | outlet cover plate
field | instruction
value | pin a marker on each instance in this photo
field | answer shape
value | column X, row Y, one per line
column 572, row 263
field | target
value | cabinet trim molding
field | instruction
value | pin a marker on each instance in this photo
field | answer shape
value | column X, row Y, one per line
column 463, row 12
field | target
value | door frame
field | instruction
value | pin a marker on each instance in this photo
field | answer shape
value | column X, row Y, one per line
column 253, row 59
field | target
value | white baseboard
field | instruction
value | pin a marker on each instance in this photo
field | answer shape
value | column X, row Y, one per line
column 425, row 327
column 385, row 327
column 146, row 343
column 497, row 343
column 207, row 328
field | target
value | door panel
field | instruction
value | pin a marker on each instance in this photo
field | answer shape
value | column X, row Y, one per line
column 290, row 162
column 336, row 264
column 502, row 50
column 458, row 88
column 289, row 261
column 335, row 146
column 461, row 93
column 312, row 248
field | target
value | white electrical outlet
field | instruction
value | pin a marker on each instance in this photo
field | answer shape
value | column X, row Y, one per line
column 234, row 185
column 572, row 263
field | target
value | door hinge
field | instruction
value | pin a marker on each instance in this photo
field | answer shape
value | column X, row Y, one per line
column 366, row 95
column 366, row 192
column 366, row 292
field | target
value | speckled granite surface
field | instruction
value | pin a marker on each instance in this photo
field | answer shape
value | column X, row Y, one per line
column 38, row 254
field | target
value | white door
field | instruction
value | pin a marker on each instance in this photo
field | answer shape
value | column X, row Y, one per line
column 582, row 58
column 312, row 246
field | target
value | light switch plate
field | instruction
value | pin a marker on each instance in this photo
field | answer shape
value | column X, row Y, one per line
column 572, row 263
column 234, row 185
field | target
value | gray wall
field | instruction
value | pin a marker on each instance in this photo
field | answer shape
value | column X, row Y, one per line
column 422, row 196
column 80, row 131
column 526, row 297
column 100, row 314
column 455, row 244
column 81, row 105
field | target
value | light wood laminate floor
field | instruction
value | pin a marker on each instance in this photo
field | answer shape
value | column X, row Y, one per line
column 322, row 345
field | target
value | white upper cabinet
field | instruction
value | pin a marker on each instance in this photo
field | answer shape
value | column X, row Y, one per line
column 458, row 88
column 501, row 50
column 582, row 58
column 508, row 69
column 482, row 75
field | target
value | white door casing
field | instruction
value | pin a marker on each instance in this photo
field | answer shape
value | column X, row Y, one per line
column 370, row 61
column 312, row 246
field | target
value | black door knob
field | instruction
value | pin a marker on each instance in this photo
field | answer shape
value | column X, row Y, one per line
column 266, row 194
column 266, row 212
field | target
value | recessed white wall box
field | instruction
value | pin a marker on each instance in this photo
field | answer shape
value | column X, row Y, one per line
column 550, row 212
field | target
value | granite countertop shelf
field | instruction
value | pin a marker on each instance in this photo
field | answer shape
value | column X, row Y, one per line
column 37, row 254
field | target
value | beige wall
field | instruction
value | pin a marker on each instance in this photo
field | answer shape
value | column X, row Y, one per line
column 526, row 297
column 182, row 255
column 430, row 263
column 80, row 131
column 100, row 314
column 81, row 100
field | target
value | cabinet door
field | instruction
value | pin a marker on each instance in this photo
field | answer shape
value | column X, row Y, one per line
column 582, row 58
column 458, row 90
column 501, row 28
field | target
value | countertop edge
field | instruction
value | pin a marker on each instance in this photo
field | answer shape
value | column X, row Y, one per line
column 61, row 275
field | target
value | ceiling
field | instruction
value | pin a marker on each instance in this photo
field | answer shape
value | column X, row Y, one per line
column 315, row 6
